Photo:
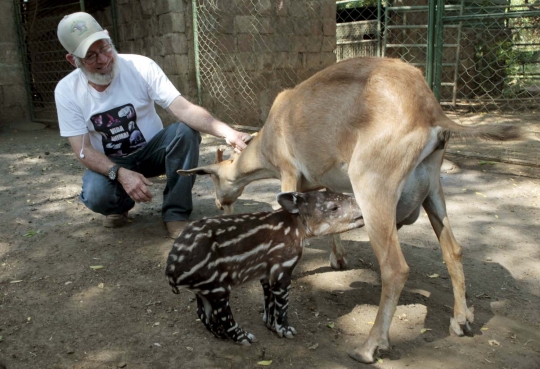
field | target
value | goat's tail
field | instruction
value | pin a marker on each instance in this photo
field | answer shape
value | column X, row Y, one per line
column 491, row 132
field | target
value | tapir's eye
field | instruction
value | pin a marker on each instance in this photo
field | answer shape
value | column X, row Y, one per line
column 334, row 207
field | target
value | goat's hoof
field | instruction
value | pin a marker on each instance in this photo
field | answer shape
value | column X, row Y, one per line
column 460, row 330
column 338, row 264
column 370, row 350
column 361, row 356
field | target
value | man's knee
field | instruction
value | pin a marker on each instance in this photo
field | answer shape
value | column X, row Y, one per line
column 188, row 134
column 97, row 194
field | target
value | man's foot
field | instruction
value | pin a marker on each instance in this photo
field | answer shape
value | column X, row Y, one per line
column 175, row 228
column 115, row 220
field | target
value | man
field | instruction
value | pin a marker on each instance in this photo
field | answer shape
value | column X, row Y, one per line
column 106, row 109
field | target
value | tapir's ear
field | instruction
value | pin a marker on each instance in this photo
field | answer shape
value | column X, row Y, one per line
column 209, row 169
column 289, row 201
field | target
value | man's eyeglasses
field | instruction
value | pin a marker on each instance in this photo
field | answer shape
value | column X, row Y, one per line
column 92, row 58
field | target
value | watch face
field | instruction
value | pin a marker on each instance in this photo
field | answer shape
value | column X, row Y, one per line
column 112, row 175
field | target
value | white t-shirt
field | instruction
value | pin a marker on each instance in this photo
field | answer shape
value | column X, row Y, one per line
column 121, row 119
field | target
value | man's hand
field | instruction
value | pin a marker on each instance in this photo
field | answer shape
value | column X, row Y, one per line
column 199, row 119
column 238, row 140
column 135, row 184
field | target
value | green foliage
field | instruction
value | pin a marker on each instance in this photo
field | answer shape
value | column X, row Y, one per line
column 357, row 4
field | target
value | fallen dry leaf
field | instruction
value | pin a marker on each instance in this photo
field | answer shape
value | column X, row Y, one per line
column 433, row 276
column 265, row 362
column 313, row 347
column 424, row 330
column 494, row 343
column 95, row 267
column 330, row 325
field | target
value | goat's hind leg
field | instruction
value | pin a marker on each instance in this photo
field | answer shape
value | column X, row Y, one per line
column 376, row 189
column 452, row 254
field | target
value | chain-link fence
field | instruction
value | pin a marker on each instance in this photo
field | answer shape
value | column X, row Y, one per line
column 482, row 59
column 44, row 59
column 250, row 50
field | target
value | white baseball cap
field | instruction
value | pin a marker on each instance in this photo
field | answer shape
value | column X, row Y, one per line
column 78, row 31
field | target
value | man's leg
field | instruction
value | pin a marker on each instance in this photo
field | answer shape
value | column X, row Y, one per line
column 175, row 147
column 105, row 197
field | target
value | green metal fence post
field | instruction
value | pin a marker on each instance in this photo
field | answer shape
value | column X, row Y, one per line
column 82, row 5
column 437, row 73
column 379, row 13
column 430, row 43
column 196, row 50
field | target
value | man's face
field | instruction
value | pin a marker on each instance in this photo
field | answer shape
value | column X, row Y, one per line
column 99, row 65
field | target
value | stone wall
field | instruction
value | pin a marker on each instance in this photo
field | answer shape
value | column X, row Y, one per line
column 160, row 30
column 13, row 98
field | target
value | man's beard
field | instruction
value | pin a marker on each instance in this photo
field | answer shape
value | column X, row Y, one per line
column 99, row 78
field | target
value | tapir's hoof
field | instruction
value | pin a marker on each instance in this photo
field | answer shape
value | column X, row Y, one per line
column 247, row 339
column 287, row 331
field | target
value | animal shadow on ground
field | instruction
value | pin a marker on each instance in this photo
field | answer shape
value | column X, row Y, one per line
column 350, row 298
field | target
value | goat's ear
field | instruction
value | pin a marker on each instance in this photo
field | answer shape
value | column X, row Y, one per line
column 289, row 201
column 209, row 169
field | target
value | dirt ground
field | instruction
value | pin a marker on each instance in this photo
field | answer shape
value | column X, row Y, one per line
column 58, row 311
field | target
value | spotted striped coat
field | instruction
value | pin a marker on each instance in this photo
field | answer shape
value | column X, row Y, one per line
column 213, row 255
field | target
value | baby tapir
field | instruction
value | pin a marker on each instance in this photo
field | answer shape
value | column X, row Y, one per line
column 215, row 254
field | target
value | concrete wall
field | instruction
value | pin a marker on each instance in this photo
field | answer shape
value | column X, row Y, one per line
column 13, row 99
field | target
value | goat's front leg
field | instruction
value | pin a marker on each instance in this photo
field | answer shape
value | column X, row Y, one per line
column 452, row 254
column 337, row 256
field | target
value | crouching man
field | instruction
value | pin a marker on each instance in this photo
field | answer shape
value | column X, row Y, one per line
column 106, row 110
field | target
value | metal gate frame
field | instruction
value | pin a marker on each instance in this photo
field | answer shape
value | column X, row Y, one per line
column 40, row 54
column 442, row 21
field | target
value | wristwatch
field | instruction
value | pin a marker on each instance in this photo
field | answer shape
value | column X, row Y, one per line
column 113, row 172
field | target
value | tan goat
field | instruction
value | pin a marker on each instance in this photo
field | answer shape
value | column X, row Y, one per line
column 373, row 127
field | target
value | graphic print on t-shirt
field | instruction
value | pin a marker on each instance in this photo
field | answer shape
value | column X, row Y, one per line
column 120, row 134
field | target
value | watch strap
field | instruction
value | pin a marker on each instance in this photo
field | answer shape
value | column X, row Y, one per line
column 113, row 172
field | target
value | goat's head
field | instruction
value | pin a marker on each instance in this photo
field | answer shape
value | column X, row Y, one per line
column 226, row 189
